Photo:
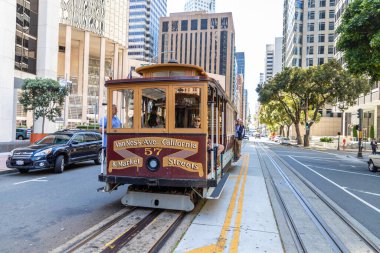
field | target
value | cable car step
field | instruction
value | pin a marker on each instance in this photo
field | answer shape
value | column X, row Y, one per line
column 219, row 188
column 158, row 200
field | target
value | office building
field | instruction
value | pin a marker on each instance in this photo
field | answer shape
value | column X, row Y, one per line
column 240, row 58
column 82, row 42
column 269, row 56
column 277, row 58
column 308, row 32
column 144, row 23
column 200, row 5
column 203, row 39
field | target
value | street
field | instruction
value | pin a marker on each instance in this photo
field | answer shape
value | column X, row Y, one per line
column 42, row 210
column 342, row 177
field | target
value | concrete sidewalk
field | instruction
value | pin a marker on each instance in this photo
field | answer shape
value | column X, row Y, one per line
column 3, row 166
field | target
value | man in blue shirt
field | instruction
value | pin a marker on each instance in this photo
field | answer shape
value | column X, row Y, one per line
column 239, row 134
column 116, row 123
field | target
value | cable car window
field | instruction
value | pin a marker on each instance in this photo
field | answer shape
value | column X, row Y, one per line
column 124, row 102
column 153, row 105
column 188, row 107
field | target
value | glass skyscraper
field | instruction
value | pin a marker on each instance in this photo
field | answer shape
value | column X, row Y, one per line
column 144, row 23
column 200, row 5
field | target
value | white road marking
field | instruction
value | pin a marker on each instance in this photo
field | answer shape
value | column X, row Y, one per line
column 40, row 179
column 351, row 172
column 339, row 186
column 370, row 193
column 319, row 158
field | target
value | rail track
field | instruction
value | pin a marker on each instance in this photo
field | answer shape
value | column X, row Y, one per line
column 315, row 223
column 136, row 230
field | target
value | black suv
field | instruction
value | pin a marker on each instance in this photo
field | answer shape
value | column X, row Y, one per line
column 57, row 151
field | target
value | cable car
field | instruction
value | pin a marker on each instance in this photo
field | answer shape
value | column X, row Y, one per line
column 171, row 122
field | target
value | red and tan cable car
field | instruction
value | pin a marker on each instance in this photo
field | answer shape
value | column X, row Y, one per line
column 161, row 147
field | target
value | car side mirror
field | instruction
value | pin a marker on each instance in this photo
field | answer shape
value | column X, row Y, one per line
column 74, row 142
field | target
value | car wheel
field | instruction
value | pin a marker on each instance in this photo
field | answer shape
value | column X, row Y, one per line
column 23, row 171
column 98, row 159
column 59, row 165
column 20, row 137
column 372, row 166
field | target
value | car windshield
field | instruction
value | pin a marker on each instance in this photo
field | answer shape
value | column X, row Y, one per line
column 54, row 139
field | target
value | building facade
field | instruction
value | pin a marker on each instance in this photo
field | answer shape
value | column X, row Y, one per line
column 269, row 58
column 199, row 38
column 200, row 5
column 80, row 42
column 143, row 29
column 277, row 58
column 308, row 32
column 240, row 58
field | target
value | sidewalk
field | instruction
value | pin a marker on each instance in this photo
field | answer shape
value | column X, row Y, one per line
column 3, row 166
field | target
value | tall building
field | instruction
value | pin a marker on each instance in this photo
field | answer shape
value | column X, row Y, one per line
column 269, row 55
column 79, row 41
column 308, row 32
column 200, row 5
column 277, row 59
column 144, row 23
column 240, row 58
column 207, row 40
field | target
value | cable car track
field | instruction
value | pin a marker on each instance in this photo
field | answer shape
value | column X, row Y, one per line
column 334, row 240
column 137, row 230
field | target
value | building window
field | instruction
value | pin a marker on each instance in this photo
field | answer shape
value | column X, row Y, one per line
column 310, row 38
column 310, row 50
column 331, row 37
column 331, row 49
column 214, row 23
column 309, row 62
column 331, row 26
column 174, row 26
column 203, row 24
column 321, row 49
column 332, row 3
column 331, row 13
column 321, row 61
column 322, row 14
column 184, row 25
column 194, row 24
column 322, row 3
column 322, row 26
column 165, row 26
column 311, row 15
column 224, row 23
column 311, row 3
column 321, row 38
column 310, row 27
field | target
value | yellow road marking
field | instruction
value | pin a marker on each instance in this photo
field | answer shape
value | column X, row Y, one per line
column 236, row 235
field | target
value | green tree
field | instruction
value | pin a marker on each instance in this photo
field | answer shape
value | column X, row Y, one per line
column 44, row 97
column 359, row 38
column 372, row 133
column 330, row 84
column 354, row 132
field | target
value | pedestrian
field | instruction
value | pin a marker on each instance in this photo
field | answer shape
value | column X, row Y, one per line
column 239, row 134
column 374, row 146
column 116, row 123
column 344, row 143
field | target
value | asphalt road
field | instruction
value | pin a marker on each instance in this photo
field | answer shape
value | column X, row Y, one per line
column 343, row 178
column 41, row 210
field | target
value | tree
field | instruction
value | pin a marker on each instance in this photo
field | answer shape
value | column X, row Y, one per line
column 44, row 97
column 330, row 84
column 359, row 38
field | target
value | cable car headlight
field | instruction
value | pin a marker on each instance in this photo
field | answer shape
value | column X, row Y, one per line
column 153, row 163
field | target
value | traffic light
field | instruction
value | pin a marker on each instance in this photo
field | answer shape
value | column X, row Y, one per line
column 307, row 125
column 360, row 113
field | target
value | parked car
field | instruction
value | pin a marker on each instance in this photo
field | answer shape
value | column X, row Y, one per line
column 373, row 162
column 284, row 141
column 277, row 138
column 23, row 133
column 257, row 136
column 57, row 150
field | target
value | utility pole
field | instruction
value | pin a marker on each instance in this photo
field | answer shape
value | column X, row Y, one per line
column 360, row 133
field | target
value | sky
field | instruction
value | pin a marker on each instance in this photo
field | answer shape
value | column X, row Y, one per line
column 257, row 23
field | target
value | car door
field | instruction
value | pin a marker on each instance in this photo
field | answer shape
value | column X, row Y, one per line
column 92, row 146
column 78, row 147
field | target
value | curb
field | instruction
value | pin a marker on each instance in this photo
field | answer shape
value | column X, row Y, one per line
column 7, row 171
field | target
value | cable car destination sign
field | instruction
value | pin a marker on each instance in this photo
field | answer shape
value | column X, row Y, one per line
column 154, row 146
